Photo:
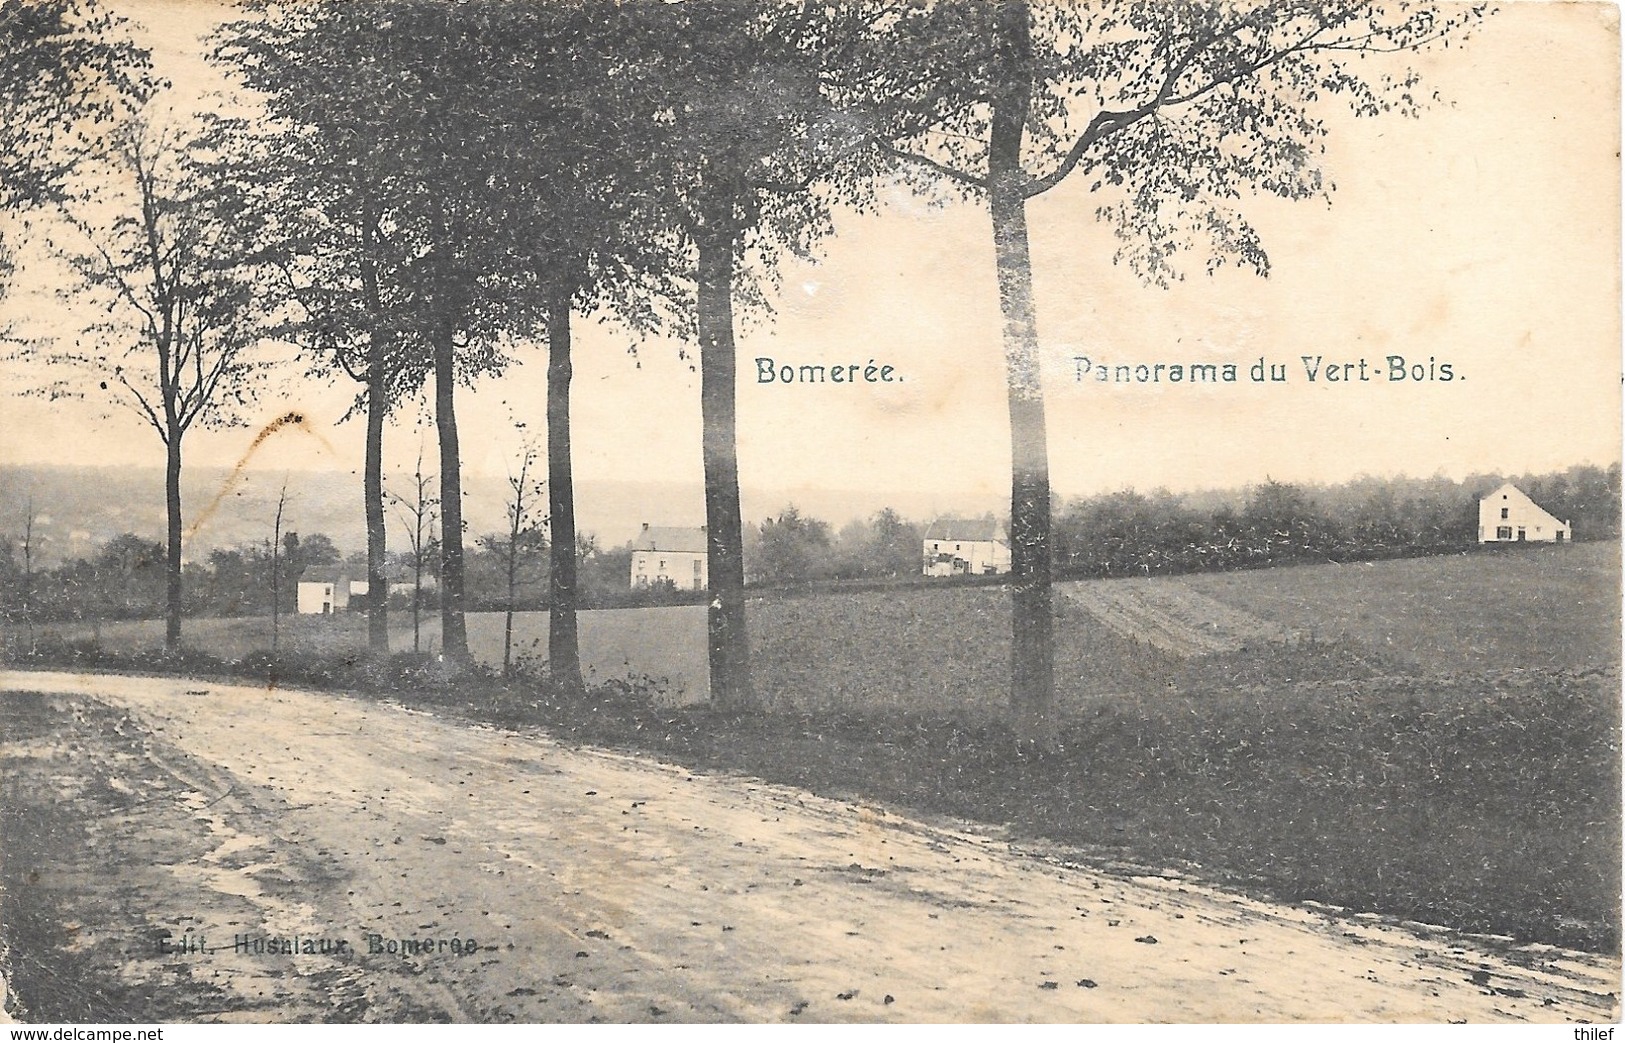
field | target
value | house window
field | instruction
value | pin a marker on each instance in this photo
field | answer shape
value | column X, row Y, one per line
column 1503, row 532
column 1503, row 514
column 956, row 546
column 662, row 562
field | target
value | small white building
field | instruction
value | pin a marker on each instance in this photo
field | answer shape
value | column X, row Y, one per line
column 1508, row 516
column 324, row 593
column 966, row 547
column 667, row 553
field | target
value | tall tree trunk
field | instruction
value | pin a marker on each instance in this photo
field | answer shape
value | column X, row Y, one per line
column 373, row 482
column 507, row 614
column 276, row 573
column 417, row 603
column 563, row 645
column 28, row 577
column 453, row 627
column 172, row 556
column 725, row 619
column 378, row 405
column 1032, row 657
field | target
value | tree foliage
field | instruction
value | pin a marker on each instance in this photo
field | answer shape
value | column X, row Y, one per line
column 1173, row 113
column 399, row 116
column 453, row 179
column 184, row 300
column 68, row 74
column 185, row 306
column 794, row 548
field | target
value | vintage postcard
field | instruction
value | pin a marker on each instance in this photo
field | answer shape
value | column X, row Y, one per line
column 740, row 511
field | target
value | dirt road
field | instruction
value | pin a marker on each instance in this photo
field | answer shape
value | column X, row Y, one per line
column 421, row 869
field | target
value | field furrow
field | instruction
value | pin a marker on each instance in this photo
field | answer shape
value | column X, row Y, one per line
column 1173, row 617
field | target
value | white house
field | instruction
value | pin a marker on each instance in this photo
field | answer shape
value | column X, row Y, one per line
column 324, row 593
column 966, row 547
column 1508, row 516
column 666, row 553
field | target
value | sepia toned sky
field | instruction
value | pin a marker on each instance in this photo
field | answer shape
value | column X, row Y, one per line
column 1484, row 235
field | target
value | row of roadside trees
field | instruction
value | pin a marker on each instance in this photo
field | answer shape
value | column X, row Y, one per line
column 425, row 189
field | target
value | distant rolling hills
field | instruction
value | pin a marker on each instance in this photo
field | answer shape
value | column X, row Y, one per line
column 79, row 508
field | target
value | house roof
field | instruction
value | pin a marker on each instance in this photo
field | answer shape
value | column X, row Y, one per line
column 671, row 538
column 1501, row 490
column 966, row 530
column 1507, row 488
column 324, row 576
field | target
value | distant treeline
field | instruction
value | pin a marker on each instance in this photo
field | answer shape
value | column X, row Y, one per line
column 1130, row 533
column 124, row 579
column 1125, row 533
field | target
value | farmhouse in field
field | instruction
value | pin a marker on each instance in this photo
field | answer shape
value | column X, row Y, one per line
column 1508, row 516
column 324, row 593
column 665, row 554
column 966, row 547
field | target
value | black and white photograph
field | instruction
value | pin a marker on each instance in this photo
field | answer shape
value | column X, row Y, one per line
column 792, row 512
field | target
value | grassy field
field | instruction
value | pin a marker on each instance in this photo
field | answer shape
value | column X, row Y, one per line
column 1531, row 606
column 1436, row 739
column 925, row 650
column 918, row 650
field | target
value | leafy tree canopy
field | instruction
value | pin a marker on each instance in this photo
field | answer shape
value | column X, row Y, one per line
column 67, row 74
column 1172, row 111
